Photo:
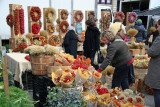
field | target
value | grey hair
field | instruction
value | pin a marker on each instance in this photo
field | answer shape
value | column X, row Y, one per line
column 108, row 35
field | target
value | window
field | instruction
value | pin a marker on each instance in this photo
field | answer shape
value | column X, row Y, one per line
column 104, row 1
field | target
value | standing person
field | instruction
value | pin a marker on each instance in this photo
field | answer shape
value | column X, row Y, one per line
column 92, row 41
column 153, row 76
column 119, row 56
column 141, row 35
column 70, row 42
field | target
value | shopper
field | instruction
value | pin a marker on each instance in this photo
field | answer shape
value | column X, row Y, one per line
column 153, row 76
column 141, row 35
column 92, row 41
column 118, row 28
column 70, row 42
column 119, row 57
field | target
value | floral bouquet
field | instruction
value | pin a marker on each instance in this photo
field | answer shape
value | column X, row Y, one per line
column 81, row 76
column 56, row 79
column 96, row 76
column 66, row 80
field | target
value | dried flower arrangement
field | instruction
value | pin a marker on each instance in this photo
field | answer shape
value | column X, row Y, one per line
column 39, row 50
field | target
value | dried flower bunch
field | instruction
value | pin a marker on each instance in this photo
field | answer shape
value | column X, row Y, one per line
column 51, row 49
column 29, row 35
column 44, row 33
column 39, row 50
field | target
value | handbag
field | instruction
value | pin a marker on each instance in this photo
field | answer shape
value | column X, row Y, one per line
column 150, row 39
column 100, row 57
column 96, row 58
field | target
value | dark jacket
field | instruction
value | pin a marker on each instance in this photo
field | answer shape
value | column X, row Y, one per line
column 92, row 41
column 153, row 75
column 118, row 54
column 141, row 32
column 70, row 43
column 155, row 34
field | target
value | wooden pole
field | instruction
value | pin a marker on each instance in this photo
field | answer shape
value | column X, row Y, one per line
column 5, row 73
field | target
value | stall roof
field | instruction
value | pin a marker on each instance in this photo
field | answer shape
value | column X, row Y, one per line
column 154, row 11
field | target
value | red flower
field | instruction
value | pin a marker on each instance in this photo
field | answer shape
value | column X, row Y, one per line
column 21, row 16
column 38, row 11
column 16, row 24
column 10, row 20
column 35, row 28
column 67, row 79
column 130, row 100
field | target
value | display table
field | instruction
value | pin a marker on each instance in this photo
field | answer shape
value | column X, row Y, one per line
column 17, row 64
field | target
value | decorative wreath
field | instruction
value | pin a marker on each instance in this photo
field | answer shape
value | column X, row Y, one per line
column 21, row 16
column 35, row 28
column 132, row 17
column 64, row 14
column 50, row 19
column 51, row 28
column 91, row 14
column 64, row 23
column 16, row 23
column 54, row 40
column 10, row 20
column 38, row 11
column 121, row 15
column 76, row 16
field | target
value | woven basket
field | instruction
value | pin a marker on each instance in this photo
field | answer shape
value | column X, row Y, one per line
column 40, row 63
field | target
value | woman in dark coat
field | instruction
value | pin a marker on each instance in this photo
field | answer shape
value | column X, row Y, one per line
column 70, row 42
column 92, row 41
column 153, row 76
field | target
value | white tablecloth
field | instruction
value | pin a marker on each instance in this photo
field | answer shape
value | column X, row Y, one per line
column 17, row 64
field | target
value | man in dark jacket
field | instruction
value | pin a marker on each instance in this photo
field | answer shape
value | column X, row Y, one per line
column 92, row 41
column 70, row 42
column 141, row 31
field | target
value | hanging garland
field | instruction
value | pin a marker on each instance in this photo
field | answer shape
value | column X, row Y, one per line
column 132, row 17
column 51, row 28
column 54, row 40
column 120, row 15
column 64, row 25
column 35, row 28
column 64, row 14
column 38, row 11
column 78, row 13
column 16, row 23
column 21, row 16
column 50, row 18
column 10, row 20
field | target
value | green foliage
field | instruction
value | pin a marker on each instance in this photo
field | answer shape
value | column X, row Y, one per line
column 18, row 98
column 57, row 97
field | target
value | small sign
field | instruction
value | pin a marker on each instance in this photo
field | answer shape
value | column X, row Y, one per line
column 79, row 28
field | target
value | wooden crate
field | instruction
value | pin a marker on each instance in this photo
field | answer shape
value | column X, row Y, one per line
column 137, row 51
column 12, row 43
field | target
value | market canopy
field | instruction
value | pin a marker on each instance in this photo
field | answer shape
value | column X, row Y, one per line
column 155, row 11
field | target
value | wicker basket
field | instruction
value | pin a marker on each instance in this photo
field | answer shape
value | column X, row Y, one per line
column 40, row 63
